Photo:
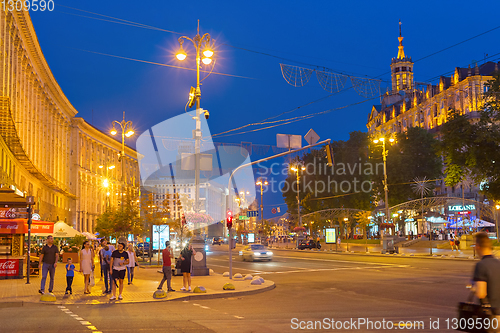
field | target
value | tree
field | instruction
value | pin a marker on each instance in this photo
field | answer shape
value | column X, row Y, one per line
column 116, row 222
column 414, row 154
column 471, row 148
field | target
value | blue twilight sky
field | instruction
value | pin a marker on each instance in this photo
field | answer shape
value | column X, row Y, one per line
column 354, row 37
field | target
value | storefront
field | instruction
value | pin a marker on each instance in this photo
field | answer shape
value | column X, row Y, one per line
column 12, row 244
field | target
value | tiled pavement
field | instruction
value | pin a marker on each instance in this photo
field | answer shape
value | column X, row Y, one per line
column 145, row 283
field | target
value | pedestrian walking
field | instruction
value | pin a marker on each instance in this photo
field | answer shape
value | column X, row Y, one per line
column 105, row 254
column 70, row 274
column 87, row 264
column 186, row 255
column 457, row 243
column 132, row 262
column 48, row 261
column 167, row 256
column 486, row 282
column 119, row 261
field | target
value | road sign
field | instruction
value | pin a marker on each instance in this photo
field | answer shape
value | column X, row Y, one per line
column 311, row 137
column 288, row 141
column 273, row 210
column 30, row 200
column 243, row 217
column 252, row 213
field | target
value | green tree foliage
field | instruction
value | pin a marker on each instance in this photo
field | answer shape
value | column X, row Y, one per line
column 472, row 148
column 413, row 154
column 116, row 222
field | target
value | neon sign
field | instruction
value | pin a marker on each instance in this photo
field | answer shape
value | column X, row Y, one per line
column 458, row 208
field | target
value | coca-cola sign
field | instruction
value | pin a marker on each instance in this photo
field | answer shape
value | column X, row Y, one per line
column 8, row 213
column 9, row 267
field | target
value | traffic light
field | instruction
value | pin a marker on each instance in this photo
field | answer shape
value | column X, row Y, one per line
column 183, row 220
column 229, row 220
column 329, row 155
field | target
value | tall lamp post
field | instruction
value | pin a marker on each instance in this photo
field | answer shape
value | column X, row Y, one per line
column 386, row 189
column 296, row 168
column 126, row 131
column 262, row 183
column 200, row 43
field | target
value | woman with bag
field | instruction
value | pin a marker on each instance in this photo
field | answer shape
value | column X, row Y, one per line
column 132, row 262
column 185, row 256
column 87, row 264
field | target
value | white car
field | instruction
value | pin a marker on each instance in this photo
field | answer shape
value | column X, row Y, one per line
column 256, row 252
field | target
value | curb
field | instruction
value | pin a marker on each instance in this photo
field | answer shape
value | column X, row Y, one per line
column 187, row 297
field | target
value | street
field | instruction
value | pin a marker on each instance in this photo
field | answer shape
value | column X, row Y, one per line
column 310, row 286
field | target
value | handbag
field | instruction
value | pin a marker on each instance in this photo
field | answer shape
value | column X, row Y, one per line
column 92, row 280
column 477, row 312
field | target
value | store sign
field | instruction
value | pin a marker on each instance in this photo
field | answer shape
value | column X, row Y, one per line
column 9, row 267
column 458, row 208
column 39, row 227
column 464, row 213
column 35, row 217
column 8, row 213
column 14, row 227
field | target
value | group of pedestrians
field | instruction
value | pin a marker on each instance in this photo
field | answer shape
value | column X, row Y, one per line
column 114, row 263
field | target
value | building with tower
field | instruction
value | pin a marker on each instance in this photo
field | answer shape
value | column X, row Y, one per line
column 412, row 104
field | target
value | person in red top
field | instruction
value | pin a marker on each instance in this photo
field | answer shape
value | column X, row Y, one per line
column 167, row 256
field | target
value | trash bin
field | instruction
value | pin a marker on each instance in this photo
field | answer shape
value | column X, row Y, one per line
column 388, row 244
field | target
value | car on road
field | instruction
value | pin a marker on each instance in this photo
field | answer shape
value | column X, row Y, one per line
column 309, row 244
column 142, row 249
column 217, row 241
column 254, row 252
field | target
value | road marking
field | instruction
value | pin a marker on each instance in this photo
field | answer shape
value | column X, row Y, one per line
column 82, row 321
column 244, row 269
column 345, row 261
column 329, row 269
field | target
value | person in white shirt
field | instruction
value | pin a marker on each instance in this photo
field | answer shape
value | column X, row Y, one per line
column 132, row 262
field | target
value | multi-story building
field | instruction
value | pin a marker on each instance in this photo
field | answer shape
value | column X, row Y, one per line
column 45, row 151
column 412, row 104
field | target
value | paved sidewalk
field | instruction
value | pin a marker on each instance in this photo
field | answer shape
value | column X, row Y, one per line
column 145, row 283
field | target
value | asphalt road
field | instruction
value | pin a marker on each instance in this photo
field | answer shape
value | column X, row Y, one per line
column 310, row 286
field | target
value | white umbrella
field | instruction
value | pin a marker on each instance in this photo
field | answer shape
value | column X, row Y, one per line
column 63, row 230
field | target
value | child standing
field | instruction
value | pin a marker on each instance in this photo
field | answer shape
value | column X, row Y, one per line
column 70, row 274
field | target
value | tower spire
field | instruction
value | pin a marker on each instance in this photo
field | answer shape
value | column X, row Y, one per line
column 401, row 52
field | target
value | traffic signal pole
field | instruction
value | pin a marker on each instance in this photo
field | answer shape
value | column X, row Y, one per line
column 250, row 164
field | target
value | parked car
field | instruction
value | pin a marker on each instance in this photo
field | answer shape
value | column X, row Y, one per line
column 256, row 252
column 309, row 244
column 142, row 248
column 217, row 241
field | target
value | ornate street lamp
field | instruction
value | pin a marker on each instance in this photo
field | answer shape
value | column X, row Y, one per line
column 386, row 189
column 126, row 131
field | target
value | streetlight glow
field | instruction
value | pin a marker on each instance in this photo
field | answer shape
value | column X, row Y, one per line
column 129, row 133
column 181, row 55
column 208, row 53
column 113, row 131
column 206, row 61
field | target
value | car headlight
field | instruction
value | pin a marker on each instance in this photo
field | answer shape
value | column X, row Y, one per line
column 256, row 253
column 269, row 253
column 206, row 247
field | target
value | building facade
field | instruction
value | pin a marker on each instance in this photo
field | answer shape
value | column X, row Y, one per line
column 47, row 152
column 413, row 104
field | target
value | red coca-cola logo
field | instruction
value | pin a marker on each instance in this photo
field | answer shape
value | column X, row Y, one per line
column 9, row 267
column 9, row 264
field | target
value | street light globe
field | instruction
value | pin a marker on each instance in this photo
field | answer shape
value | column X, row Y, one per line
column 111, row 167
column 208, row 53
column 391, row 140
column 206, row 61
column 129, row 133
column 497, row 206
column 381, row 139
column 113, row 132
column 181, row 55
column 375, row 141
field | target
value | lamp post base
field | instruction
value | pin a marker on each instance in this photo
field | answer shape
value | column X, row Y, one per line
column 199, row 261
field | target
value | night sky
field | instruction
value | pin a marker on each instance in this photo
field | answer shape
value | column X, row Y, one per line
column 252, row 39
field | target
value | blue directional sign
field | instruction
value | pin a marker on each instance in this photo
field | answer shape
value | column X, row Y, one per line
column 252, row 213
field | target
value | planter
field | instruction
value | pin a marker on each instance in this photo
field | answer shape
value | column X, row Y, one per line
column 73, row 256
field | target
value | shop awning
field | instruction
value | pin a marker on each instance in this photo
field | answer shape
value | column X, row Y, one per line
column 63, row 230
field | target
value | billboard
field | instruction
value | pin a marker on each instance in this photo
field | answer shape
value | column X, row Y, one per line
column 330, row 235
column 251, row 238
column 161, row 234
